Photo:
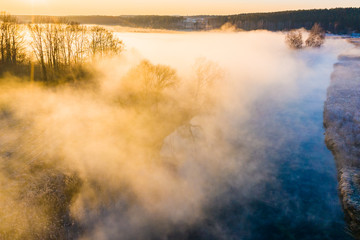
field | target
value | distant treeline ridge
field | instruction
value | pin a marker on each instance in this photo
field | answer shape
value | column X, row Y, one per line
column 337, row 20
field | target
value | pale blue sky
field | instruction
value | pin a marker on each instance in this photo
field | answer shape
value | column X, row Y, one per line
column 163, row 7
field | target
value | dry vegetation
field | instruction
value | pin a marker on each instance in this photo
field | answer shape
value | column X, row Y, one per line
column 294, row 39
column 316, row 39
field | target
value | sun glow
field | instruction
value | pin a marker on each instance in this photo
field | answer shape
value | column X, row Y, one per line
column 162, row 7
column 36, row 2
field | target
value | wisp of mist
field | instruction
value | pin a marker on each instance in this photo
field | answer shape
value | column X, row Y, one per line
column 136, row 183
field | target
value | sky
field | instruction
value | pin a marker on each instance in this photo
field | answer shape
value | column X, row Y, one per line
column 162, row 7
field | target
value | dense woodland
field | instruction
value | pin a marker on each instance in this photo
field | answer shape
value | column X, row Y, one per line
column 338, row 20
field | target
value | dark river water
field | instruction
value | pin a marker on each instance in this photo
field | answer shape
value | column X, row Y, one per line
column 300, row 198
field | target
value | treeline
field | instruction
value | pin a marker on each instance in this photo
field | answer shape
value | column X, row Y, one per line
column 161, row 22
column 56, row 47
column 151, row 21
column 337, row 20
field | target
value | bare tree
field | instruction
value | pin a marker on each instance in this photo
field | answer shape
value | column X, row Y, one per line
column 59, row 46
column 12, row 49
column 317, row 36
column 147, row 78
column 54, row 40
column 76, row 43
column 38, row 46
column 147, row 84
column 208, row 75
column 48, row 43
column 103, row 42
column 294, row 39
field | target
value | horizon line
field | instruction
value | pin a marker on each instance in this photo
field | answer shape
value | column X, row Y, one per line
column 179, row 15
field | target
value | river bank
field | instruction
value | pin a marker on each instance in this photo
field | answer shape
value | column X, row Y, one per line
column 342, row 123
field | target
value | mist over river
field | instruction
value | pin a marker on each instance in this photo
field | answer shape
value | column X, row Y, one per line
column 213, row 135
column 270, row 122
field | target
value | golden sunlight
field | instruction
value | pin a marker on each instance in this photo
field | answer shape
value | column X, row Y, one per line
column 185, row 120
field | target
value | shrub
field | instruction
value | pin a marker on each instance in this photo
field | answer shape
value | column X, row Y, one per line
column 294, row 39
column 317, row 37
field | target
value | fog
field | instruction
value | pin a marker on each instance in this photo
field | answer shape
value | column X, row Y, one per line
column 252, row 61
column 175, row 169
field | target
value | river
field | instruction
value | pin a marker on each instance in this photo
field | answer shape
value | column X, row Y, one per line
column 286, row 187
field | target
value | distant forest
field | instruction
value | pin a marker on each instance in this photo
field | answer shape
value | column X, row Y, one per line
column 337, row 20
